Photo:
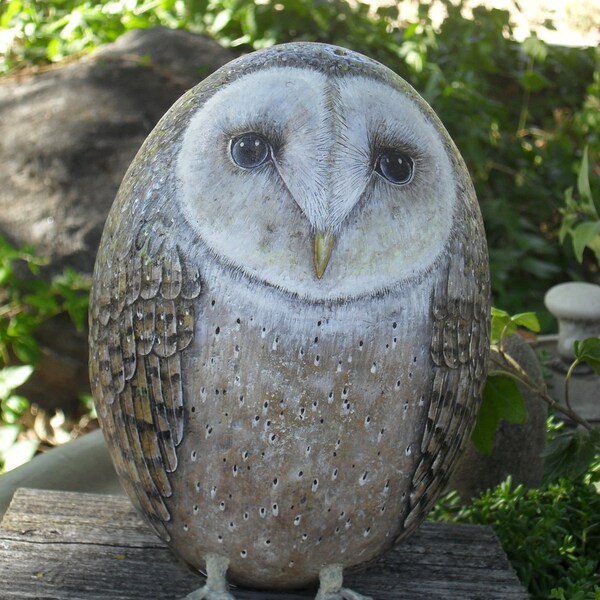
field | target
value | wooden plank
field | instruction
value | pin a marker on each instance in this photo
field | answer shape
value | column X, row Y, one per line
column 73, row 546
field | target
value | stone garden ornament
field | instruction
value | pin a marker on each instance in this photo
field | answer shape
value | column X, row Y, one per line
column 289, row 319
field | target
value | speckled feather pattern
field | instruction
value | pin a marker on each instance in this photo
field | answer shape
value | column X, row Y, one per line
column 282, row 433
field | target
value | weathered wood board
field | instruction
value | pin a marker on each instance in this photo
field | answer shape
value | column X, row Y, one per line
column 73, row 546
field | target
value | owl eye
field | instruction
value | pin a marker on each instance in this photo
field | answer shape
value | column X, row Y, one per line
column 250, row 150
column 395, row 166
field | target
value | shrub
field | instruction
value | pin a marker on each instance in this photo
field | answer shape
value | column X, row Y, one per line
column 551, row 535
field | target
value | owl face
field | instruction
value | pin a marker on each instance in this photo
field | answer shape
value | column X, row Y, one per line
column 322, row 185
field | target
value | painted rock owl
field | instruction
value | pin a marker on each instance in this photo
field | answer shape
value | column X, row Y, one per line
column 289, row 319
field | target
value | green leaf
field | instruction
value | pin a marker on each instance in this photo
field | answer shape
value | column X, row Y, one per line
column 583, row 181
column 586, row 235
column 588, row 351
column 20, row 453
column 498, row 313
column 501, row 325
column 54, row 49
column 8, row 436
column 221, row 21
column 25, row 348
column 568, row 222
column 90, row 406
column 570, row 454
column 528, row 320
column 13, row 408
column 504, row 324
column 532, row 81
column 502, row 399
column 535, row 48
column 12, row 377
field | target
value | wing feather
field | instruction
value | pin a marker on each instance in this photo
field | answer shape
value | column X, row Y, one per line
column 170, row 376
column 128, row 343
column 118, row 293
column 143, row 325
column 165, row 342
column 459, row 349
column 171, row 277
column 133, row 267
column 164, row 419
column 151, row 278
column 141, row 320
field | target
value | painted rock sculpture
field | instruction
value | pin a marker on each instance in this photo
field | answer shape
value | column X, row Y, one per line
column 289, row 319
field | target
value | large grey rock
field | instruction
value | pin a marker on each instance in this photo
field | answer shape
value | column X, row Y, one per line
column 517, row 449
column 67, row 135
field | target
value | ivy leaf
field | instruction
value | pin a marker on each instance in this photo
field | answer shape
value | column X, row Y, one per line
column 586, row 235
column 502, row 399
column 570, row 454
column 501, row 324
column 528, row 320
column 588, row 351
column 504, row 324
column 12, row 377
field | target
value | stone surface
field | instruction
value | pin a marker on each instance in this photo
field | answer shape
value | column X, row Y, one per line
column 517, row 448
column 67, row 135
column 576, row 305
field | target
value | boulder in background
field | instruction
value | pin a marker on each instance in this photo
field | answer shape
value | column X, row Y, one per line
column 67, row 136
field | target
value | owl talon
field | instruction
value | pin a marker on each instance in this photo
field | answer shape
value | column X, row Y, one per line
column 330, row 588
column 216, row 583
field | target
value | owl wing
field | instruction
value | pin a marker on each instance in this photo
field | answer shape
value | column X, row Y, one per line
column 141, row 320
column 459, row 349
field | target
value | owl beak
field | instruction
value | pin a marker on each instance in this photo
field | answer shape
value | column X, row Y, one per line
column 323, row 246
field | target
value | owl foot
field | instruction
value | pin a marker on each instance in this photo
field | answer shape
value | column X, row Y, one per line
column 216, row 583
column 330, row 588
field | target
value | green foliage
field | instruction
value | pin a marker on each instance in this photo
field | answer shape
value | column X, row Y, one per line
column 580, row 219
column 87, row 400
column 14, row 451
column 501, row 400
column 51, row 30
column 517, row 139
column 25, row 303
column 503, row 324
column 551, row 535
column 12, row 405
column 588, row 351
column 570, row 454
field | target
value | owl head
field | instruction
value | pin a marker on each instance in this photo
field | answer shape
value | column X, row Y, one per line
column 319, row 172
